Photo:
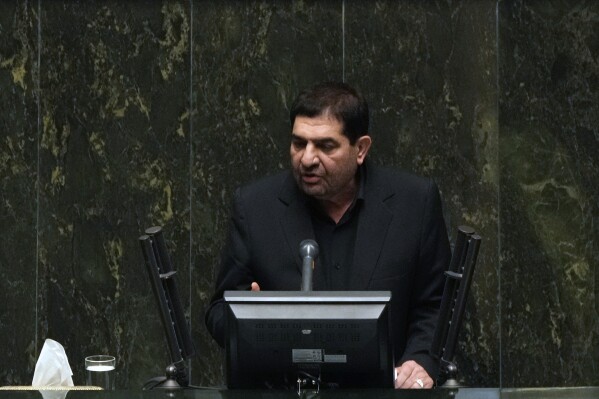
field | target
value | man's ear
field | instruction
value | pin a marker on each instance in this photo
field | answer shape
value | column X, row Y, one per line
column 363, row 145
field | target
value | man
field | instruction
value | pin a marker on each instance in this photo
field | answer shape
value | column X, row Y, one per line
column 377, row 229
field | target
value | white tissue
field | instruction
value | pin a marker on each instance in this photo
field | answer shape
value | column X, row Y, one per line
column 52, row 367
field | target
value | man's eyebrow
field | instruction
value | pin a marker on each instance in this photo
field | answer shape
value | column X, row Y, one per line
column 324, row 140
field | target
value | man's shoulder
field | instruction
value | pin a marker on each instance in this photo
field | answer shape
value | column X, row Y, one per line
column 403, row 191
column 396, row 178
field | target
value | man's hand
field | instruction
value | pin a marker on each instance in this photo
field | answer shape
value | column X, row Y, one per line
column 255, row 286
column 411, row 375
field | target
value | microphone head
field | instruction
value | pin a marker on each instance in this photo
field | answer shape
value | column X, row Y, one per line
column 308, row 248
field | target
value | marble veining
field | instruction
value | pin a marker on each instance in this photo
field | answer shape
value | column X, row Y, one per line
column 549, row 149
column 19, row 71
column 117, row 116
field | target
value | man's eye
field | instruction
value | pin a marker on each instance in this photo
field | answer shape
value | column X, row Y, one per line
column 328, row 146
column 298, row 144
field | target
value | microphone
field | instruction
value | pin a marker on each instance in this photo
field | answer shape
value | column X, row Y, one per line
column 308, row 251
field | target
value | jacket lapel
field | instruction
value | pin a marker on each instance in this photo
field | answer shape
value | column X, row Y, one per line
column 296, row 222
column 373, row 226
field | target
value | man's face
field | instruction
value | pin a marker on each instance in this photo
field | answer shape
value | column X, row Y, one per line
column 324, row 162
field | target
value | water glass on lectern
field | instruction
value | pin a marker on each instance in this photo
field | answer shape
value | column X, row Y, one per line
column 100, row 371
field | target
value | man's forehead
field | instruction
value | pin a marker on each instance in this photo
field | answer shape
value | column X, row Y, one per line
column 318, row 126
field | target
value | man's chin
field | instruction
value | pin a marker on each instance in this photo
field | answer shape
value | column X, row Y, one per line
column 313, row 191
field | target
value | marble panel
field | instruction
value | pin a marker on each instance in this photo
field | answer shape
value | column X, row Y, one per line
column 250, row 61
column 114, row 160
column 18, row 174
column 151, row 113
column 549, row 149
column 429, row 71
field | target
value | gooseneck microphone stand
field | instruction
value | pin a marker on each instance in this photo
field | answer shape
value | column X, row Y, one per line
column 308, row 251
column 453, row 304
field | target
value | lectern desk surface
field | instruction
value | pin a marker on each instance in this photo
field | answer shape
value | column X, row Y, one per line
column 463, row 393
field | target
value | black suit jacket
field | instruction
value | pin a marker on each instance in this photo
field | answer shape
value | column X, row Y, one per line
column 401, row 246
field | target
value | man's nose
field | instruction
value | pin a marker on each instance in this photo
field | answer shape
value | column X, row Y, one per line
column 310, row 156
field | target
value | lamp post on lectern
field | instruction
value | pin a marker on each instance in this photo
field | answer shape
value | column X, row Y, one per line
column 162, row 277
column 457, row 284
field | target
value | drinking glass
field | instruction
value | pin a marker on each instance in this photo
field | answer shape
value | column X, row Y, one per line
column 100, row 371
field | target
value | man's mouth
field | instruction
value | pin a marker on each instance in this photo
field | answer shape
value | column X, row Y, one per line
column 310, row 178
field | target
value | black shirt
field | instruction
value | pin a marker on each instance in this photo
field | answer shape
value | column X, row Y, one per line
column 336, row 243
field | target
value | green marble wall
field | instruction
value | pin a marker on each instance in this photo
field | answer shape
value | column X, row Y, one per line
column 19, row 126
column 121, row 115
column 549, row 149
